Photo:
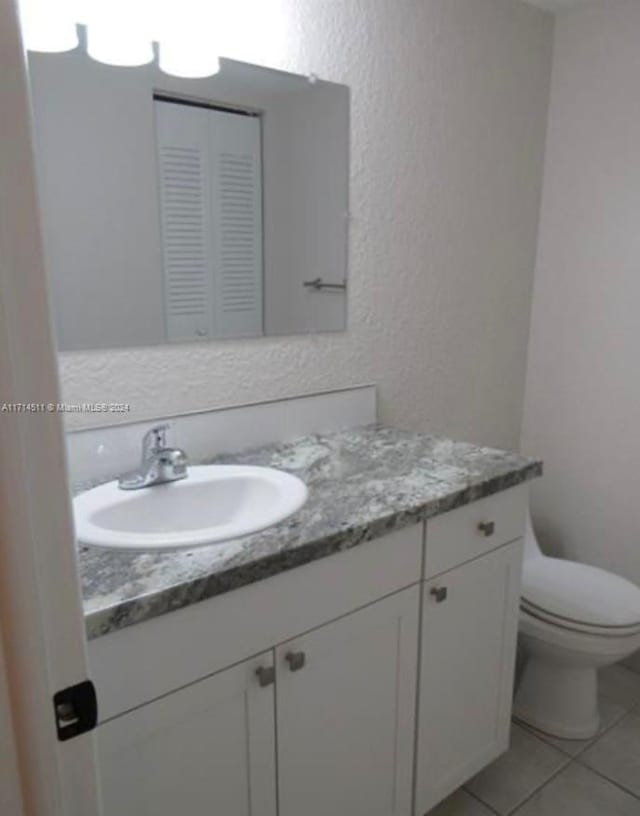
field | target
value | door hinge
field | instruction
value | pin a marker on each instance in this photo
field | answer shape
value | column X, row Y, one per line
column 76, row 710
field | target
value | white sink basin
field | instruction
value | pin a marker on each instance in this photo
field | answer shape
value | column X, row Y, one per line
column 213, row 504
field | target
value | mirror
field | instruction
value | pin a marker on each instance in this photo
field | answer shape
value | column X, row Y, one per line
column 190, row 209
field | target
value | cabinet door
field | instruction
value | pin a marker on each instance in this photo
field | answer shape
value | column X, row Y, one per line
column 469, row 630
column 206, row 749
column 346, row 711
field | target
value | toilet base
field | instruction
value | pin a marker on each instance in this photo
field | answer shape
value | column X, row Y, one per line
column 559, row 700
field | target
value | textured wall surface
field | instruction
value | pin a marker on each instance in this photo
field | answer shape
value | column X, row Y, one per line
column 449, row 102
column 583, row 386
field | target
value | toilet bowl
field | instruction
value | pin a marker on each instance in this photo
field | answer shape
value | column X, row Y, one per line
column 574, row 619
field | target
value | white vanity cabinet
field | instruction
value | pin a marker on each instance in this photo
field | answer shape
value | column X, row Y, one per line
column 208, row 748
column 345, row 729
column 336, row 715
column 382, row 681
column 468, row 643
column 346, row 706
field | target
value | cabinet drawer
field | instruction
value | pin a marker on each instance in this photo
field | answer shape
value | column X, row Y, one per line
column 142, row 662
column 477, row 528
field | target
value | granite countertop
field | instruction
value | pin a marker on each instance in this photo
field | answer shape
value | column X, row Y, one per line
column 363, row 483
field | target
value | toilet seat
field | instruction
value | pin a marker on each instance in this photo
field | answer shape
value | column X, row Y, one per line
column 580, row 598
column 591, row 644
column 576, row 626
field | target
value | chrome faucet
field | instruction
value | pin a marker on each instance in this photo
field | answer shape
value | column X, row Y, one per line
column 160, row 464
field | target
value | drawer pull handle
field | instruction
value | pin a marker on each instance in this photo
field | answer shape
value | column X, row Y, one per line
column 296, row 660
column 266, row 675
column 487, row 528
column 439, row 593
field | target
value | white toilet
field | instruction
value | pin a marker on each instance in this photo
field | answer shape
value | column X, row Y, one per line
column 574, row 619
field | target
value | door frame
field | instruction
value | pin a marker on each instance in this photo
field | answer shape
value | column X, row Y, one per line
column 41, row 621
column 10, row 792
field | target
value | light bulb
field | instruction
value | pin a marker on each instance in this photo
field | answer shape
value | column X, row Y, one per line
column 48, row 26
column 118, row 32
column 185, row 58
column 187, row 41
column 116, row 46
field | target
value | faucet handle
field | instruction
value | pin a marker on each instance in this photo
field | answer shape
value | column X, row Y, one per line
column 155, row 439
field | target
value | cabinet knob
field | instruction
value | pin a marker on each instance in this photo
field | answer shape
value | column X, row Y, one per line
column 266, row 675
column 487, row 528
column 439, row 593
column 296, row 660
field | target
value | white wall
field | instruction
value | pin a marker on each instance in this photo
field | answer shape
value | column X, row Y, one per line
column 449, row 100
column 93, row 253
column 303, row 190
column 583, row 387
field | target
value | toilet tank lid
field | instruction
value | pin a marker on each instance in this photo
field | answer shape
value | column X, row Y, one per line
column 580, row 593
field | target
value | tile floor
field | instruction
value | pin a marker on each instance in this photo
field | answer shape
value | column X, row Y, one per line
column 545, row 776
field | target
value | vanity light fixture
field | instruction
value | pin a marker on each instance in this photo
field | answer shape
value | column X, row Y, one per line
column 118, row 33
column 187, row 58
column 122, row 32
column 48, row 26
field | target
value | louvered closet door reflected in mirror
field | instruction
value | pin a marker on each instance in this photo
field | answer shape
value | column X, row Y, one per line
column 210, row 182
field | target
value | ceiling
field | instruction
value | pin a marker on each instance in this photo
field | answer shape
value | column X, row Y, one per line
column 558, row 5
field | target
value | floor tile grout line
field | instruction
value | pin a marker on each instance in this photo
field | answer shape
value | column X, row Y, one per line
column 614, row 782
column 635, row 712
column 538, row 735
column 617, row 722
column 594, row 740
column 578, row 760
column 627, row 707
column 575, row 759
column 569, row 761
column 546, row 738
column 484, row 804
